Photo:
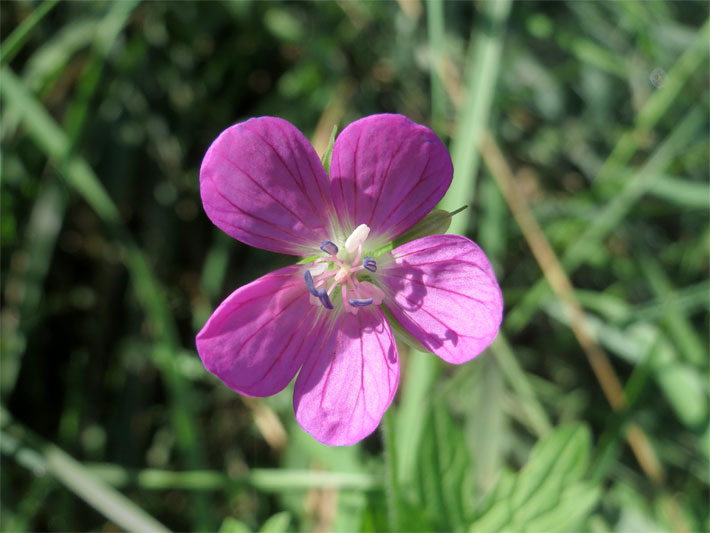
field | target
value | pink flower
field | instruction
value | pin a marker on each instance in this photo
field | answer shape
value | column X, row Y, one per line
column 262, row 183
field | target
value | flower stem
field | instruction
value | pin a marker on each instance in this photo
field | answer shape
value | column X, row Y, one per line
column 391, row 480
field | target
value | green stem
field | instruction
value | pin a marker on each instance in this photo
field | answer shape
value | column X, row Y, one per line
column 391, row 479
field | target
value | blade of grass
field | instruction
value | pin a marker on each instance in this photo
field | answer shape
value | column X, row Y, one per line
column 40, row 457
column 41, row 232
column 77, row 173
column 435, row 30
column 421, row 372
column 14, row 42
column 392, row 483
column 515, row 376
column 685, row 300
column 32, row 502
column 658, row 104
column 261, row 479
column 561, row 285
column 486, row 427
column 677, row 323
column 686, row 193
column 422, row 368
column 612, row 214
column 46, row 218
column 213, row 272
column 587, row 51
column 482, row 64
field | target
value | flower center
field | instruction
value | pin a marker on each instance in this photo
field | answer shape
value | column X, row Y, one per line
column 339, row 270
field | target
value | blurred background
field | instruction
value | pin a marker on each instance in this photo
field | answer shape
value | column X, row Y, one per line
column 579, row 135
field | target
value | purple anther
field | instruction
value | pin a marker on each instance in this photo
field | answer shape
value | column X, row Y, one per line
column 309, row 283
column 329, row 247
column 325, row 299
column 360, row 302
column 370, row 264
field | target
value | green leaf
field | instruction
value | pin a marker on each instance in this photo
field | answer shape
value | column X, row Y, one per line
column 277, row 523
column 576, row 503
column 548, row 494
column 232, row 525
column 436, row 222
column 325, row 158
column 401, row 334
column 555, row 461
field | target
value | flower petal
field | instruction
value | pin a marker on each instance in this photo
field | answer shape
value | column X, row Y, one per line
column 387, row 172
column 348, row 383
column 262, row 183
column 443, row 291
column 258, row 338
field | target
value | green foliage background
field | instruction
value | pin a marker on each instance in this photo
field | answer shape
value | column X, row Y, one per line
column 109, row 265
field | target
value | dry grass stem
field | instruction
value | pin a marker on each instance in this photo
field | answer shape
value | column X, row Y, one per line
column 563, row 289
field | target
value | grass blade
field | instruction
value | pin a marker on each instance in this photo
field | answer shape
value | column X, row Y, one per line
column 483, row 62
column 612, row 213
column 50, row 137
column 39, row 456
column 435, row 29
column 14, row 42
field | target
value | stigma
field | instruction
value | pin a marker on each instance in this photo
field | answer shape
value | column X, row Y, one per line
column 337, row 273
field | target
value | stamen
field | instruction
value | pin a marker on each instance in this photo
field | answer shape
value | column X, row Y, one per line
column 330, row 272
column 325, row 299
column 369, row 290
column 323, row 260
column 318, row 268
column 370, row 264
column 329, row 247
column 332, row 286
column 360, row 302
column 309, row 283
column 359, row 253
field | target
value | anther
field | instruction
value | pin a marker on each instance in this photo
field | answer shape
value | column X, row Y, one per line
column 324, row 299
column 329, row 247
column 309, row 283
column 370, row 264
column 360, row 302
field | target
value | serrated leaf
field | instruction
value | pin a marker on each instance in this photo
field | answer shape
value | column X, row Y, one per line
column 556, row 461
column 547, row 494
column 576, row 503
column 493, row 517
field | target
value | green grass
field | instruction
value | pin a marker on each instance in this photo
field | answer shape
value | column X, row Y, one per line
column 109, row 266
